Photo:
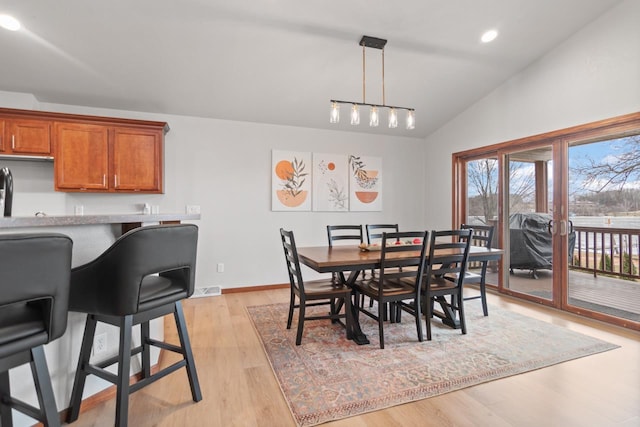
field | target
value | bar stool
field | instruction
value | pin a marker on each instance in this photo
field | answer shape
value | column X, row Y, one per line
column 34, row 297
column 144, row 275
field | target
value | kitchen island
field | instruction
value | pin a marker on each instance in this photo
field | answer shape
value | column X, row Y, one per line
column 91, row 235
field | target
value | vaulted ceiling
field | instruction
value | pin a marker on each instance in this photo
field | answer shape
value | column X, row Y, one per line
column 279, row 61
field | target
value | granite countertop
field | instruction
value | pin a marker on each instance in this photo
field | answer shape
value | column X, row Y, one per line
column 68, row 220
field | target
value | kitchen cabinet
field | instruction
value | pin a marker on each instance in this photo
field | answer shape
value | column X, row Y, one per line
column 90, row 153
column 25, row 136
column 108, row 158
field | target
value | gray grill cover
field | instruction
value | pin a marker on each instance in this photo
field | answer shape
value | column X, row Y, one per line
column 530, row 241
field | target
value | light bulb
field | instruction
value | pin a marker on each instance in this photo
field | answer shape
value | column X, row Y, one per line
column 355, row 115
column 393, row 118
column 411, row 119
column 334, row 115
column 10, row 23
column 373, row 117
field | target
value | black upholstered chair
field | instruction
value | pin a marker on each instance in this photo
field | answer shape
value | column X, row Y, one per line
column 313, row 293
column 482, row 236
column 144, row 275
column 34, row 292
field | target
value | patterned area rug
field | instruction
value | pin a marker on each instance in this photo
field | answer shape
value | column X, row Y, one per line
column 329, row 378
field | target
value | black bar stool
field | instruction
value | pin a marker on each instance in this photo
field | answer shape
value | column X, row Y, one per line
column 34, row 298
column 144, row 275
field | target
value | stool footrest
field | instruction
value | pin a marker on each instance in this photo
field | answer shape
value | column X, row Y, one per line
column 23, row 407
column 165, row 346
column 160, row 374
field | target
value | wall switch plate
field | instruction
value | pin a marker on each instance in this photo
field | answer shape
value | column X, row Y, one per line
column 100, row 343
column 220, row 268
column 193, row 209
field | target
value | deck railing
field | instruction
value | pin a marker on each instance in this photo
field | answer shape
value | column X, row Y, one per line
column 607, row 250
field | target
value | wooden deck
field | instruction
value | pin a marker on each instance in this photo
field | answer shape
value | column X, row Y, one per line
column 616, row 297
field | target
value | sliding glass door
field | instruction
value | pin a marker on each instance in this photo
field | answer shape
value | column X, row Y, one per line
column 566, row 207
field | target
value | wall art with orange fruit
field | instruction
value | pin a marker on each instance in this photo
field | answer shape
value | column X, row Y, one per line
column 291, row 181
column 326, row 182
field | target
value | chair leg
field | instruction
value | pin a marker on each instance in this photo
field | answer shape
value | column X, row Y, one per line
column 428, row 314
column 44, row 390
column 418, row 314
column 146, row 349
column 463, row 324
column 6, row 419
column 292, row 303
column 81, row 373
column 483, row 297
column 382, row 308
column 124, row 364
column 301, row 315
column 183, row 334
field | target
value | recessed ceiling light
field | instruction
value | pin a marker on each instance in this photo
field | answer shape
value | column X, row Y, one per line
column 489, row 36
column 10, row 23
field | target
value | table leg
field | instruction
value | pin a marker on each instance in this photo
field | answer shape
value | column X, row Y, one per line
column 356, row 332
column 448, row 316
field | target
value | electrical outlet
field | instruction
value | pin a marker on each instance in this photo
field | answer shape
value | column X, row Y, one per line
column 220, row 267
column 100, row 343
column 193, row 209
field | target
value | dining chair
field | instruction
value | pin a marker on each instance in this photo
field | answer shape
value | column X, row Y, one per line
column 312, row 293
column 396, row 286
column 339, row 233
column 482, row 236
column 374, row 231
column 444, row 275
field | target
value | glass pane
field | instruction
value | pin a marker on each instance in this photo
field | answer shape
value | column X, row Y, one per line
column 530, row 240
column 482, row 191
column 604, row 209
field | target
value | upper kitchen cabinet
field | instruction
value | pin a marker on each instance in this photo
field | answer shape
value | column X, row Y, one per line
column 90, row 153
column 109, row 158
column 24, row 136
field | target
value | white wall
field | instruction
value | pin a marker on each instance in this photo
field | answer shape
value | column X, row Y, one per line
column 594, row 75
column 225, row 167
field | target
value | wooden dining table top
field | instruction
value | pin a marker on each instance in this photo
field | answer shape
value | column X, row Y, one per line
column 324, row 259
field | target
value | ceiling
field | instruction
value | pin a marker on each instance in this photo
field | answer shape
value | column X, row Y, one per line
column 279, row 61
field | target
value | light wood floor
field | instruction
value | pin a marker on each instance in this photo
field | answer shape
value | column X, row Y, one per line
column 240, row 389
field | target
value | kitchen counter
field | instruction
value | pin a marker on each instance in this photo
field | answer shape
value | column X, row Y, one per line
column 71, row 220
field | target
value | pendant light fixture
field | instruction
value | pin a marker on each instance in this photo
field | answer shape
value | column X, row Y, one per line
column 374, row 109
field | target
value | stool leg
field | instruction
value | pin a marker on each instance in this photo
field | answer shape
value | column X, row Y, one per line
column 124, row 364
column 5, row 390
column 81, row 373
column 181, row 324
column 146, row 349
column 44, row 389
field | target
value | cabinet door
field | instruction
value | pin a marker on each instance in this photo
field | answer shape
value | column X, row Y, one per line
column 81, row 157
column 137, row 160
column 3, row 146
column 29, row 136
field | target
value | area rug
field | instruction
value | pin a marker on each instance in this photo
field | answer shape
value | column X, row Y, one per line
column 329, row 378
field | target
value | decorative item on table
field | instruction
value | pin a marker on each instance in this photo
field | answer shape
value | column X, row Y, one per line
column 377, row 246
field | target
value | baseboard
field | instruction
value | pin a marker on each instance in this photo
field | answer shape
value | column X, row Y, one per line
column 254, row 288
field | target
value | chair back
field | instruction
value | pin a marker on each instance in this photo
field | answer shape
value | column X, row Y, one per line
column 114, row 283
column 292, row 259
column 482, row 234
column 374, row 231
column 403, row 249
column 344, row 232
column 34, row 289
column 448, row 254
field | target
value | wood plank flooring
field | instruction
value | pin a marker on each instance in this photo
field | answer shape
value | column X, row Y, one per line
column 240, row 389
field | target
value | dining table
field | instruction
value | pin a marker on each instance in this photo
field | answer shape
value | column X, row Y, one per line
column 352, row 259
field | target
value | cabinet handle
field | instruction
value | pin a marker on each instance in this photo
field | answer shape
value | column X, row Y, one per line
column 104, row 180
column 13, row 142
column 115, row 181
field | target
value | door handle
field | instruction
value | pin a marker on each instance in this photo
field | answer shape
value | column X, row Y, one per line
column 563, row 227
